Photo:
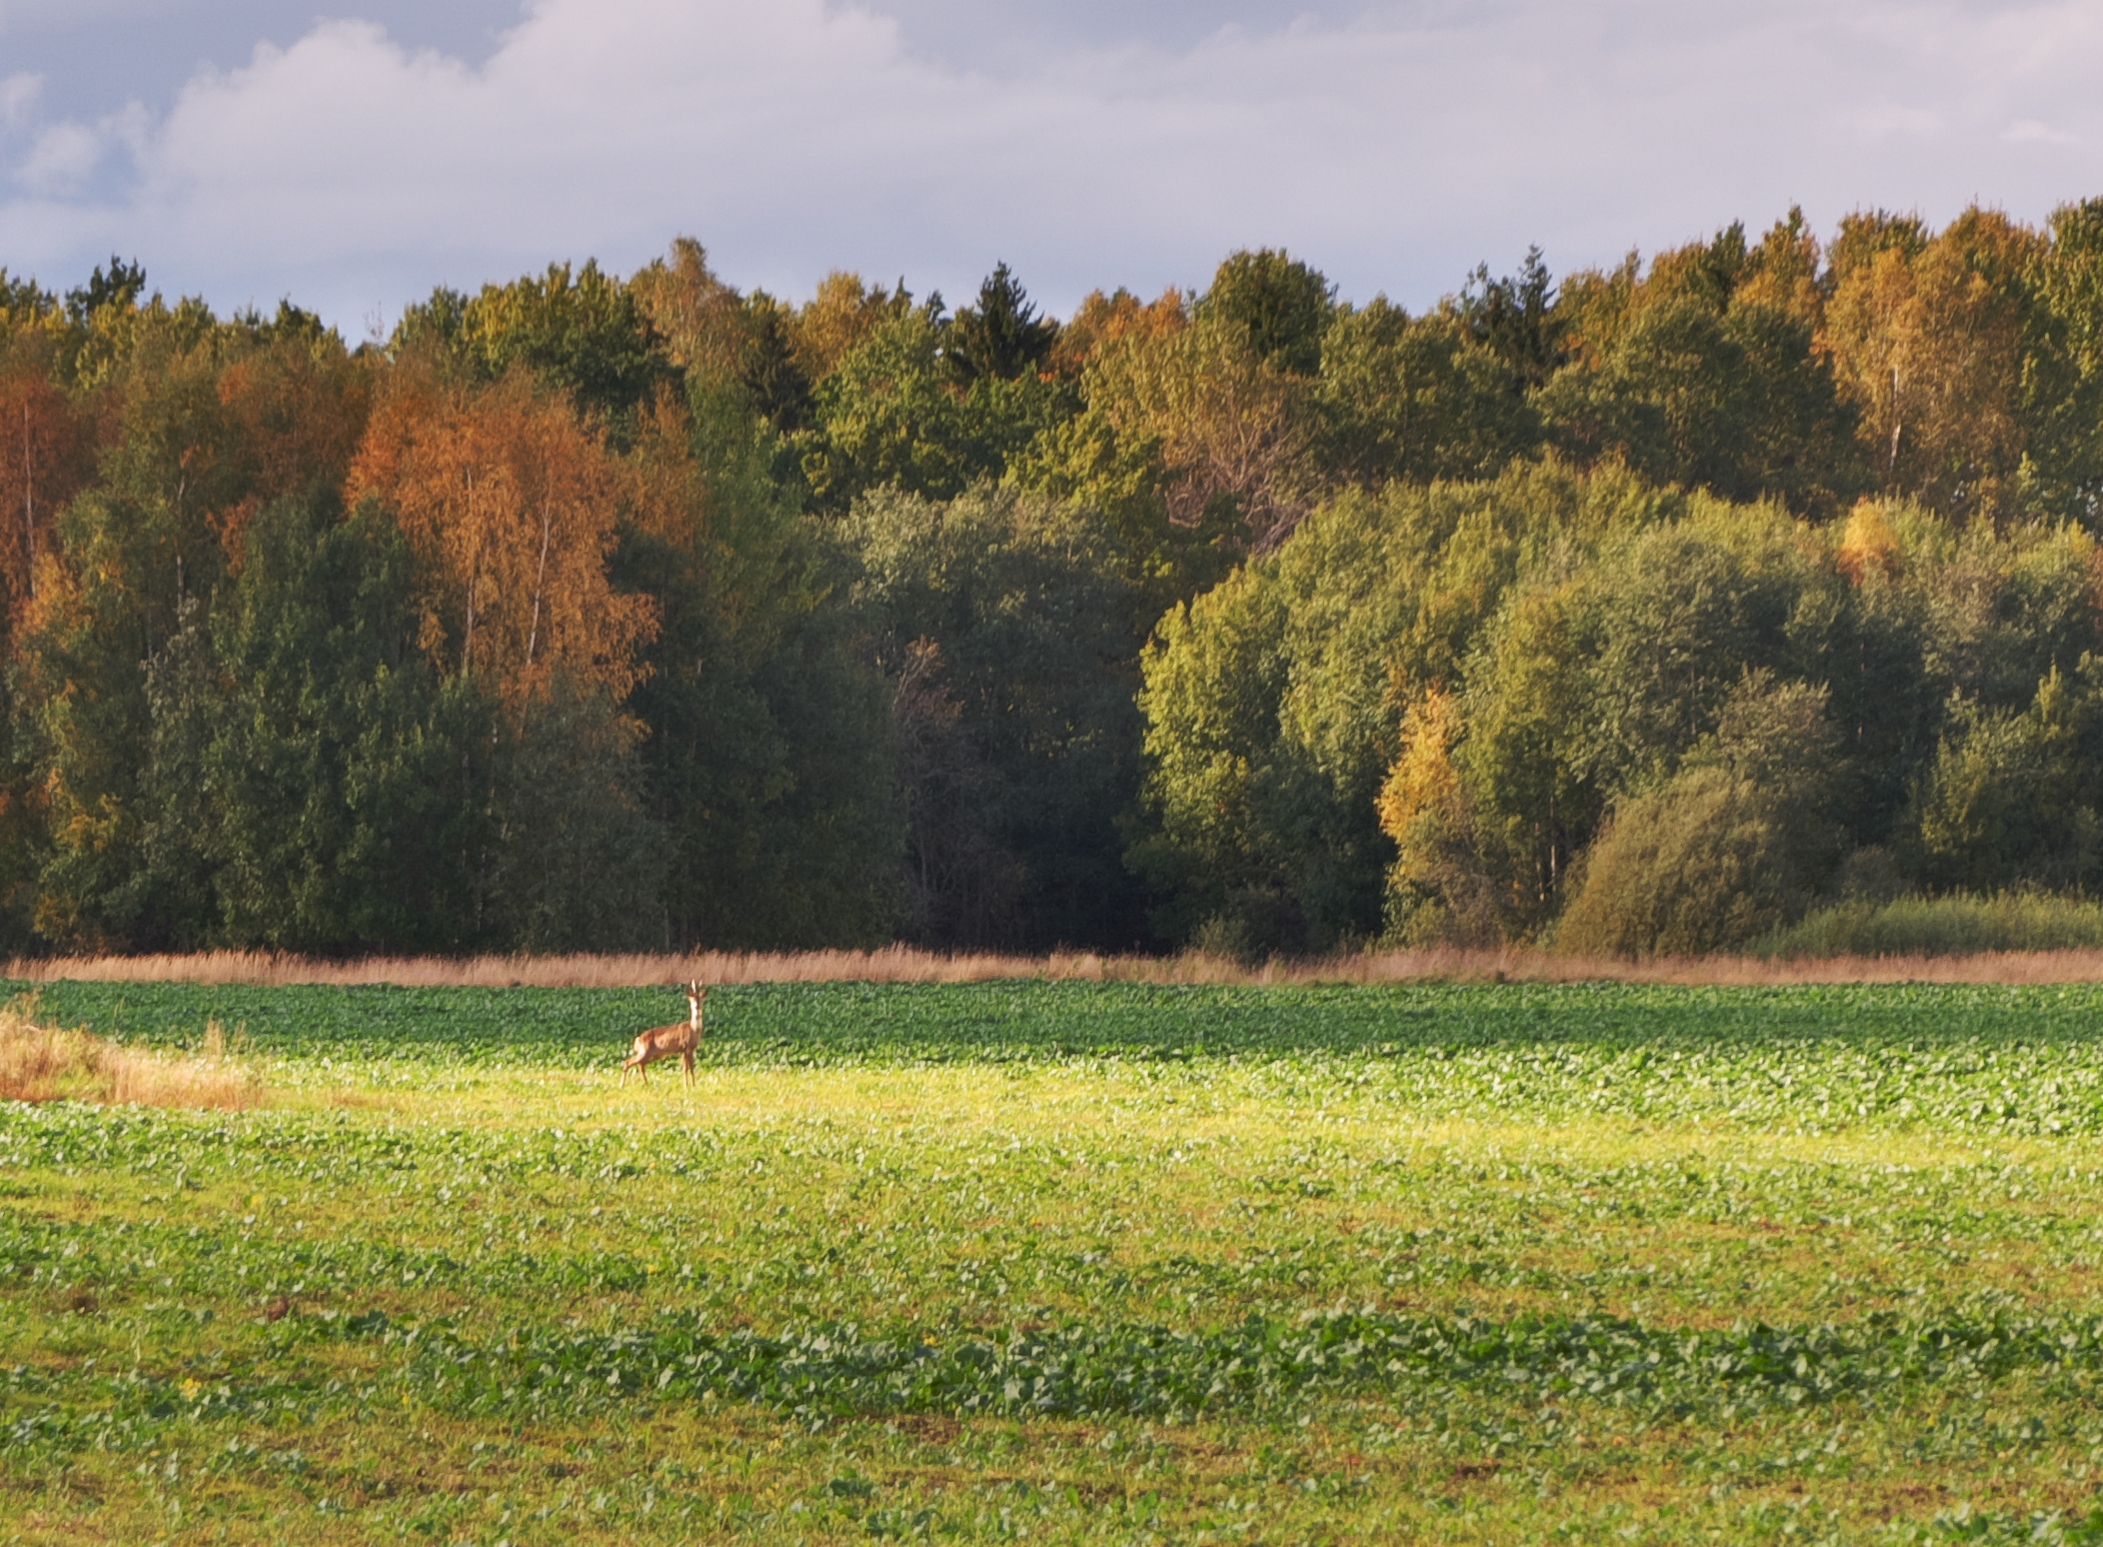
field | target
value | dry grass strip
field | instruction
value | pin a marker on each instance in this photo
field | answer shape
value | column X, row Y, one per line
column 902, row 964
column 48, row 1063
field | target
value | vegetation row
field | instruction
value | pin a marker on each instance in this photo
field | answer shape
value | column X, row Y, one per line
column 1653, row 611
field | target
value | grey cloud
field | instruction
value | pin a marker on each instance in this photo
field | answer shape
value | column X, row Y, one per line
column 1393, row 147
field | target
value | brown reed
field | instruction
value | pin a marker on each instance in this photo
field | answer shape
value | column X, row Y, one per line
column 904, row 964
column 51, row 1063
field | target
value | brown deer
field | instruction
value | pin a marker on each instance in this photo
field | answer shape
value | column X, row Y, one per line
column 681, row 1037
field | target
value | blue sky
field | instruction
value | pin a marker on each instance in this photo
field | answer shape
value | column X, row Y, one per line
column 353, row 155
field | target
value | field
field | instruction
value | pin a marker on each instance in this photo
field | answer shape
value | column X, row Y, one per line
column 1083, row 1262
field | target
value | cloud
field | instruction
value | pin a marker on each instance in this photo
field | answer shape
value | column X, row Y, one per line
column 2028, row 131
column 791, row 136
column 64, row 156
column 18, row 96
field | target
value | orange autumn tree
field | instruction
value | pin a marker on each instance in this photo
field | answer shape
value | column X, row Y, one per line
column 298, row 402
column 510, row 505
column 46, row 455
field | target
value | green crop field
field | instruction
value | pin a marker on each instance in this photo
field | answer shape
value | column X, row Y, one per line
column 1070, row 1263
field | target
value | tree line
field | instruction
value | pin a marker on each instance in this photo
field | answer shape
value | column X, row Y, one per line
column 1637, row 611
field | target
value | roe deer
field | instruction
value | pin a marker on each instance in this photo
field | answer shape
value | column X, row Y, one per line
column 681, row 1037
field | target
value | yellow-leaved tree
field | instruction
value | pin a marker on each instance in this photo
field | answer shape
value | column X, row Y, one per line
column 1926, row 340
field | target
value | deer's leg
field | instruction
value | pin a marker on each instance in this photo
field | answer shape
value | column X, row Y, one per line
column 687, row 1058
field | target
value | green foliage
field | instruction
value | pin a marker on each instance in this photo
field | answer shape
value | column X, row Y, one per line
column 1001, row 336
column 322, row 780
column 1152, row 1231
column 887, row 417
column 2008, row 796
column 1009, row 634
column 1273, row 703
column 1732, row 400
column 1957, row 925
column 1280, row 305
column 767, row 366
column 1727, row 848
column 1696, row 866
column 2063, row 369
column 768, row 763
column 1515, row 319
column 1418, row 399
column 580, row 329
column 1580, row 515
column 577, row 863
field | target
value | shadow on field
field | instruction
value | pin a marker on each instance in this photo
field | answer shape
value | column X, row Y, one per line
column 810, row 1024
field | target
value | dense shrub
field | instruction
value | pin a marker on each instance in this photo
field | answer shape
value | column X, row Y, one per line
column 1700, row 865
column 1941, row 926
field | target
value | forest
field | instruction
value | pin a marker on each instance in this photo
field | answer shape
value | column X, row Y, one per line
column 1627, row 611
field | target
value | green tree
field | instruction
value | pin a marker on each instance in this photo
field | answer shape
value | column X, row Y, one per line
column 1730, row 397
column 579, row 329
column 1012, row 639
column 2014, row 797
column 887, row 418
column 2062, row 370
column 768, row 763
column 1417, row 399
column 1001, row 336
column 1516, row 320
column 1695, row 866
column 1276, row 304
column 327, row 788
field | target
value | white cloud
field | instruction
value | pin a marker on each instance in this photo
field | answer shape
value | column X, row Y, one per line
column 792, row 136
column 63, row 157
column 2029, row 131
column 18, row 95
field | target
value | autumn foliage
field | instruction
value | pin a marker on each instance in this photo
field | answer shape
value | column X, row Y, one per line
column 511, row 506
column 1641, row 609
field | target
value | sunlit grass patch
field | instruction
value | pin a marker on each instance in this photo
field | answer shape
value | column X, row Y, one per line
column 50, row 1063
column 1092, row 1263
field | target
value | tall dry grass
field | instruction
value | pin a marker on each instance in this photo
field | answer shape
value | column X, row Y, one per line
column 902, row 964
column 50, row 1063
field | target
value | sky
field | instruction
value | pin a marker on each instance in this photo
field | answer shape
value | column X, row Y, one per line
column 354, row 154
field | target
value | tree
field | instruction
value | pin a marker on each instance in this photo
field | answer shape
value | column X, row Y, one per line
column 1437, row 890
column 1231, row 429
column 1275, row 304
column 2062, row 370
column 1012, row 641
column 1417, row 399
column 511, row 506
column 580, row 330
column 1516, row 320
column 325, row 783
column 2014, row 797
column 1001, row 336
column 842, row 315
column 1706, row 373
column 768, row 763
column 1926, row 340
column 888, row 419
column 1694, row 867
column 46, row 447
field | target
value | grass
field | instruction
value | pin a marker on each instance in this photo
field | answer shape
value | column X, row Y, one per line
column 2049, row 955
column 50, row 1063
column 1071, row 1261
column 1957, row 926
